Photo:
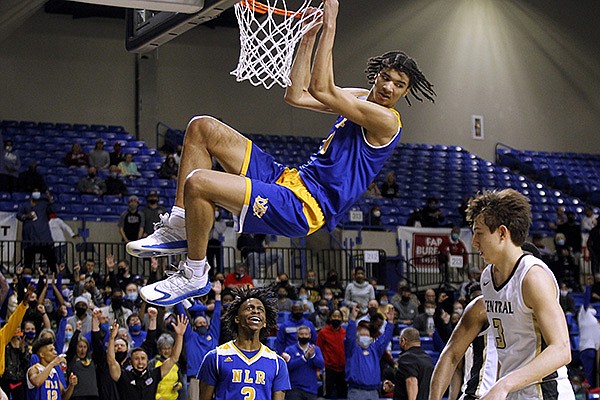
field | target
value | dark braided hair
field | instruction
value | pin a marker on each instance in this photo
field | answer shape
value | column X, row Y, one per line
column 264, row 295
column 418, row 84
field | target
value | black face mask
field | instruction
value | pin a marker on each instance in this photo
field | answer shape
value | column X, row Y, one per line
column 283, row 283
column 116, row 302
column 303, row 340
column 297, row 315
column 33, row 305
column 80, row 311
column 152, row 201
column 281, row 295
column 120, row 356
column 336, row 323
column 405, row 299
column 92, row 176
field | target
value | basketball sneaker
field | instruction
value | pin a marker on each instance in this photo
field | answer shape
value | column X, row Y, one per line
column 168, row 239
column 184, row 282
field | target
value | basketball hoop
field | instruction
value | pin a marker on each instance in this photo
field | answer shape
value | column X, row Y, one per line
column 267, row 42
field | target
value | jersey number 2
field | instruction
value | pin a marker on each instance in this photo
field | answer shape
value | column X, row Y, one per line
column 248, row 392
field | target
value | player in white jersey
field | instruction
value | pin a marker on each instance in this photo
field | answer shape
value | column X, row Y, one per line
column 521, row 302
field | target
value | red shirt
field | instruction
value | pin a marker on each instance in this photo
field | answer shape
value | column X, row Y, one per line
column 231, row 279
column 331, row 343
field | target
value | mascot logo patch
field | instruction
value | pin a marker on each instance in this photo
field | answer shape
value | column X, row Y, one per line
column 260, row 206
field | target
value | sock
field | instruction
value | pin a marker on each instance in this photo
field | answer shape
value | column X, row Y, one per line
column 177, row 215
column 201, row 268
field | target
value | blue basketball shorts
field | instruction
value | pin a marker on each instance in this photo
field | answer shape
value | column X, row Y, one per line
column 276, row 202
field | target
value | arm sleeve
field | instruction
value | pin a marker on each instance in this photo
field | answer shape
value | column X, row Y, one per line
column 60, row 334
column 215, row 322
column 208, row 369
column 317, row 361
column 350, row 340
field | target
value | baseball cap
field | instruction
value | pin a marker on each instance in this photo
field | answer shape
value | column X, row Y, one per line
column 81, row 299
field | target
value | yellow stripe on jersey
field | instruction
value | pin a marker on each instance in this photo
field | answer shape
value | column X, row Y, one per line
column 246, row 161
column 248, row 192
column 290, row 178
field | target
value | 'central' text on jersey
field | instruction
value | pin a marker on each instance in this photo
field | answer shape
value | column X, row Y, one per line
column 498, row 306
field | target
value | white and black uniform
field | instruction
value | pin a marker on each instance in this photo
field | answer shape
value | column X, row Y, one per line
column 518, row 338
column 481, row 365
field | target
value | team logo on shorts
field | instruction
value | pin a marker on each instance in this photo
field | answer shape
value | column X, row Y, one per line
column 260, row 206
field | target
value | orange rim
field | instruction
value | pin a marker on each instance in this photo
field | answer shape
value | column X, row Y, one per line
column 261, row 8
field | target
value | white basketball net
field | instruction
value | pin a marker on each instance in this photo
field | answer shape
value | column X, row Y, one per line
column 267, row 41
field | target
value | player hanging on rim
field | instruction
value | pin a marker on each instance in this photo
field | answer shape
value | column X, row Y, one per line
column 267, row 197
column 244, row 367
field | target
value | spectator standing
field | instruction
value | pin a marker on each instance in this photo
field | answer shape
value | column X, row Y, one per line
column 321, row 314
column 58, row 228
column 593, row 244
column 589, row 338
column 136, row 381
column 152, row 212
column 134, row 324
column 116, row 156
column 304, row 361
column 128, row 167
column 82, row 316
column 116, row 311
column 572, row 231
column 588, row 222
column 359, row 291
column 91, row 183
column 171, row 384
column 424, row 322
column 390, row 188
column 9, row 167
column 284, row 303
column 81, row 364
column 330, row 340
column 99, row 157
column 363, row 371
column 76, row 157
column 283, row 281
column 31, row 179
column 200, row 338
column 415, row 367
column 36, row 233
column 114, row 184
column 131, row 223
column 169, row 168
column 567, row 303
column 288, row 330
column 332, row 282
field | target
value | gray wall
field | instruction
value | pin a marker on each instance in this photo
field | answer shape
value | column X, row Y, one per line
column 531, row 68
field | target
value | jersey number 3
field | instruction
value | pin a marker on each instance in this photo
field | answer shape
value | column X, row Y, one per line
column 500, row 342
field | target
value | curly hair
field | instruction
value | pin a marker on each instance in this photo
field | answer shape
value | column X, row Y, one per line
column 418, row 84
column 505, row 207
column 240, row 296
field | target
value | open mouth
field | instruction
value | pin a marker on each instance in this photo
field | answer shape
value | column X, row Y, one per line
column 255, row 320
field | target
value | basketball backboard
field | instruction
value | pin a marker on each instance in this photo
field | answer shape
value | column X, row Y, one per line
column 147, row 30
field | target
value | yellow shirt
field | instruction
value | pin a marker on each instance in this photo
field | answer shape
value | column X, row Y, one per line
column 8, row 331
column 165, row 389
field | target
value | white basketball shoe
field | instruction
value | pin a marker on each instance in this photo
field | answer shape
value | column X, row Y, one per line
column 168, row 239
column 185, row 282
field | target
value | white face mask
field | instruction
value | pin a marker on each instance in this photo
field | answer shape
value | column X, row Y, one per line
column 377, row 213
column 459, row 311
column 365, row 341
column 430, row 311
column 36, row 195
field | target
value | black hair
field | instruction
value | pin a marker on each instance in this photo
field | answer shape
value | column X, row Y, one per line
column 531, row 248
column 39, row 343
column 418, row 84
column 240, row 296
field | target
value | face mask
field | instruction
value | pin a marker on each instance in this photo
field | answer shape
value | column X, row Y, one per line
column 372, row 310
column 328, row 297
column 384, row 302
column 283, row 283
column 202, row 330
column 152, row 201
column 222, row 281
column 459, row 311
column 303, row 340
column 80, row 311
column 336, row 323
column 281, row 295
column 239, row 276
column 405, row 298
column 29, row 335
column 560, row 242
column 135, row 328
column 120, row 356
column 92, row 176
column 365, row 341
column 564, row 293
column 66, row 293
column 132, row 296
column 310, row 280
column 8, row 148
column 116, row 302
column 33, row 304
column 303, row 297
column 323, row 310
column 297, row 315
column 104, row 327
column 332, row 278
column 377, row 214
column 68, row 335
column 217, row 214
column 430, row 311
column 454, row 236
column 36, row 195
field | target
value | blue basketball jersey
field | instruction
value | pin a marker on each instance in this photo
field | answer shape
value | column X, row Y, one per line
column 238, row 374
column 49, row 390
column 340, row 172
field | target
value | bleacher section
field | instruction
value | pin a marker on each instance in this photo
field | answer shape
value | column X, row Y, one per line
column 449, row 173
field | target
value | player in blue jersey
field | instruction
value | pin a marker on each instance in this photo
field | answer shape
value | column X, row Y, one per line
column 43, row 382
column 244, row 367
column 266, row 196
